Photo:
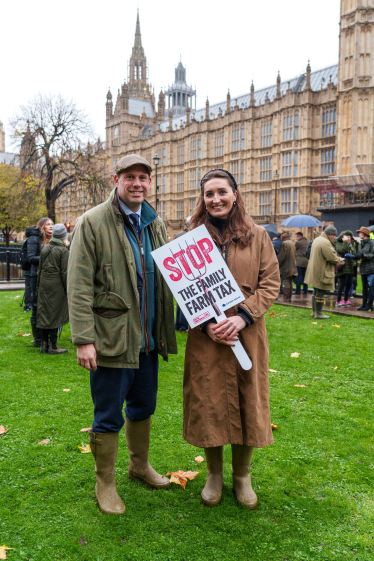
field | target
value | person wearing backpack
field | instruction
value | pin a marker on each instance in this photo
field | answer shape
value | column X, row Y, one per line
column 38, row 237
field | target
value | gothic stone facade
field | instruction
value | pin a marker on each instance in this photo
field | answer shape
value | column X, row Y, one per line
column 274, row 140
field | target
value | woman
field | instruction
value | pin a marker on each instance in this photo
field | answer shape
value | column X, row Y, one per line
column 345, row 243
column 224, row 404
column 37, row 237
column 52, row 297
column 366, row 254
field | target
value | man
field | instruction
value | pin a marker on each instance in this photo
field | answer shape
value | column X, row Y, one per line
column 287, row 264
column 320, row 272
column 122, row 317
column 366, row 254
column 301, row 245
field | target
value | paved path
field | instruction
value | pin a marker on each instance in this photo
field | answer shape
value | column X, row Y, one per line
column 12, row 286
column 305, row 301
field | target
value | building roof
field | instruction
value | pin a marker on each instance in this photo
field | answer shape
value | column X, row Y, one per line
column 136, row 107
column 318, row 80
column 9, row 158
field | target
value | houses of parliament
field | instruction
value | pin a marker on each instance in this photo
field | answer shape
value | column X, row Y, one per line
column 274, row 140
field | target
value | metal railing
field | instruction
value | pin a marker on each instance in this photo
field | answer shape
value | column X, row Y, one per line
column 10, row 264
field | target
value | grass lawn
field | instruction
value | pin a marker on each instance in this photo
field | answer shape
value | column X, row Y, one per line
column 315, row 484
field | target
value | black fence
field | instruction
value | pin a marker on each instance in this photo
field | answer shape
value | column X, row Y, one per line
column 10, row 264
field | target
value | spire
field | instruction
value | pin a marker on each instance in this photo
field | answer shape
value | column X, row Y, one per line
column 278, row 86
column 252, row 95
column 138, row 37
column 207, row 109
column 308, row 73
column 228, row 107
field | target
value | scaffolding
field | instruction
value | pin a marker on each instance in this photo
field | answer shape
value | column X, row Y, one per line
column 363, row 182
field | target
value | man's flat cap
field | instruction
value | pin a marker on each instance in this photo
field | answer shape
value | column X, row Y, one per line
column 132, row 160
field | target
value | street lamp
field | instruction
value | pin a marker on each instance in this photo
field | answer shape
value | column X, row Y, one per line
column 156, row 160
column 276, row 177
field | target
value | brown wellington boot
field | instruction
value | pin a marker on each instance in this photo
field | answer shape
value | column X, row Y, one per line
column 211, row 495
column 241, row 475
column 104, row 447
column 137, row 438
column 55, row 349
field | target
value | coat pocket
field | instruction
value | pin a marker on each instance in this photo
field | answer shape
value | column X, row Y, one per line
column 328, row 277
column 111, row 324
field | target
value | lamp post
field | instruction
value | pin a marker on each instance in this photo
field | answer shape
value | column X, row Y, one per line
column 156, row 160
column 276, row 176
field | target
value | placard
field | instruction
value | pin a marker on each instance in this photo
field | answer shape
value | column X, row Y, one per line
column 198, row 276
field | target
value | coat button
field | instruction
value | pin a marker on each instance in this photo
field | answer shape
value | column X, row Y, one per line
column 255, row 311
column 139, row 287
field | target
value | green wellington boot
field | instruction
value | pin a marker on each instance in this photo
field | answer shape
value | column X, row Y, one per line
column 138, row 435
column 313, row 314
column 241, row 475
column 104, row 447
column 211, row 495
column 319, row 307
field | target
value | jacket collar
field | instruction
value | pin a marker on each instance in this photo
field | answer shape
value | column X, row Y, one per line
column 323, row 235
column 55, row 241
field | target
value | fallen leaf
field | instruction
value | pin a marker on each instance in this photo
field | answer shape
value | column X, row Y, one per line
column 335, row 367
column 24, row 334
column 315, row 322
column 18, row 296
column 275, row 371
column 87, row 429
column 274, row 426
column 3, row 430
column 300, row 386
column 82, row 541
column 66, row 390
column 278, row 378
column 322, row 326
column 295, row 355
column 123, row 541
column 85, row 448
column 335, row 325
column 180, row 477
column 199, row 459
column 272, row 315
column 283, row 315
column 3, row 550
column 316, row 377
column 45, row 441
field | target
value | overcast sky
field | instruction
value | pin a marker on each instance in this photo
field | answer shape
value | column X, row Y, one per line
column 79, row 48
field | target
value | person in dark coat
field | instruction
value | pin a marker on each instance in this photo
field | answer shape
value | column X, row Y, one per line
column 301, row 245
column 52, row 311
column 38, row 237
column 277, row 242
column 366, row 254
column 28, row 293
column 287, row 264
column 345, row 243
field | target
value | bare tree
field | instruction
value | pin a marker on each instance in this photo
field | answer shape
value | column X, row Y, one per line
column 49, row 132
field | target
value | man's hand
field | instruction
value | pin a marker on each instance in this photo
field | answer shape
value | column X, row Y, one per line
column 86, row 356
column 226, row 331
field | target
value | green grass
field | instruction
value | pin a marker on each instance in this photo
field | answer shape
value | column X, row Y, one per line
column 315, row 484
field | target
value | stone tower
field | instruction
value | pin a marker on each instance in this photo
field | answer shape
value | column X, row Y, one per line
column 180, row 93
column 355, row 85
column 137, row 73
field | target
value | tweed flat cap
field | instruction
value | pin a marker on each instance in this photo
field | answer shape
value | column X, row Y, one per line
column 59, row 232
column 331, row 231
column 132, row 160
column 364, row 230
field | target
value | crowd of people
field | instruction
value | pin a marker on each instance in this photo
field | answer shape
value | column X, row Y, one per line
column 121, row 315
column 328, row 263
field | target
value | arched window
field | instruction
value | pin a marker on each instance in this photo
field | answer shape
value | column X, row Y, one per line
column 135, row 72
column 140, row 71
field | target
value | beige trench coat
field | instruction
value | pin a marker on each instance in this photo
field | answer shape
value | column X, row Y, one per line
column 321, row 267
column 223, row 404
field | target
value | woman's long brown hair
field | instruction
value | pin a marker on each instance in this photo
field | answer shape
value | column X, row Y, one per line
column 45, row 239
column 238, row 224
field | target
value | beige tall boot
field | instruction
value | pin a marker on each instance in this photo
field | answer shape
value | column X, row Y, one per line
column 137, row 438
column 104, row 447
column 241, row 475
column 212, row 493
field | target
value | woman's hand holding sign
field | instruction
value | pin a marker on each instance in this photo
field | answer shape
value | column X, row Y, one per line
column 226, row 331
